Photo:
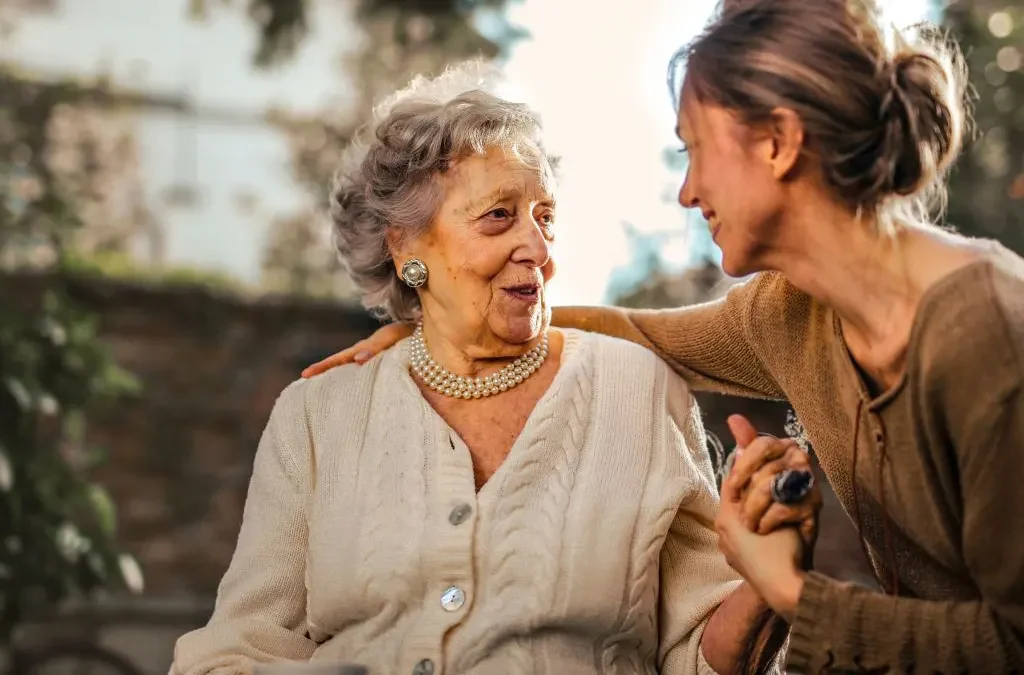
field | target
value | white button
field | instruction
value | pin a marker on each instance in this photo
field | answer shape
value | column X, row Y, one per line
column 459, row 514
column 453, row 599
column 424, row 667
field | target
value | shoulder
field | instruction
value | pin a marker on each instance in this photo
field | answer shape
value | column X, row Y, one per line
column 972, row 326
column 769, row 294
column 325, row 412
column 774, row 307
column 788, row 330
column 343, row 387
column 622, row 365
column 966, row 354
column 1007, row 283
column 776, row 317
column 635, row 382
column 616, row 357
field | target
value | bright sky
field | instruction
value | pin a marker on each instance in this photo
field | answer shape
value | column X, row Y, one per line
column 607, row 110
column 599, row 77
column 597, row 73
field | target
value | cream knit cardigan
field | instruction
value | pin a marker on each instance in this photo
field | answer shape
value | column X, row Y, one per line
column 590, row 550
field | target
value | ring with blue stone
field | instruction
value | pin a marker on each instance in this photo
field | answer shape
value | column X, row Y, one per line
column 790, row 486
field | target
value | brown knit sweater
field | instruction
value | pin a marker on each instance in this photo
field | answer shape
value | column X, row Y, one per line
column 932, row 470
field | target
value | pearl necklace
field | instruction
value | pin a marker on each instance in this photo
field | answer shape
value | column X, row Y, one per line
column 443, row 381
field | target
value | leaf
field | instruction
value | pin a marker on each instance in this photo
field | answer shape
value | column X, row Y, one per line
column 131, row 573
column 20, row 393
column 103, row 508
column 54, row 332
column 74, row 425
column 6, row 472
column 51, row 304
column 120, row 381
column 93, row 456
column 48, row 405
column 96, row 564
column 69, row 542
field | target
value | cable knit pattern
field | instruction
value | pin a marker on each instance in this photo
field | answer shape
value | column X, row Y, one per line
column 623, row 646
column 544, row 479
column 590, row 550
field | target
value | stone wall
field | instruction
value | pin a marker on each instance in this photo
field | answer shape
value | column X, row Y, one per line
column 180, row 454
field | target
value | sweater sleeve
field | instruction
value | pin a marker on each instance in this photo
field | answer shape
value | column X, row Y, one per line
column 713, row 346
column 695, row 578
column 260, row 613
column 846, row 627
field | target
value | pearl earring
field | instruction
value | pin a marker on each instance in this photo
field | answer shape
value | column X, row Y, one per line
column 414, row 273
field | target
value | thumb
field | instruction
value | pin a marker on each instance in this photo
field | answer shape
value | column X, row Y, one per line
column 742, row 430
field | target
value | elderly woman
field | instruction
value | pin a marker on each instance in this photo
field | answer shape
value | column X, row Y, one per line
column 489, row 495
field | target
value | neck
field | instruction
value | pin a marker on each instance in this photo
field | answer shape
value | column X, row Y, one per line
column 862, row 274
column 479, row 356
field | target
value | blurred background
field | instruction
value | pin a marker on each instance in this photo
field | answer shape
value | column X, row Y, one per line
column 165, row 268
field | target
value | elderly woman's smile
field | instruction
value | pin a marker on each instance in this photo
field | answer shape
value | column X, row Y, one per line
column 528, row 293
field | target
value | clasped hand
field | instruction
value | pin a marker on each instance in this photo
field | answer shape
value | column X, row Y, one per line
column 768, row 543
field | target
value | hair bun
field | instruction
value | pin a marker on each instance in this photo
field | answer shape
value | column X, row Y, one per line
column 922, row 119
column 883, row 111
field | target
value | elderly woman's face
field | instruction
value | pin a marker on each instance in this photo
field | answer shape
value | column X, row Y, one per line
column 488, row 249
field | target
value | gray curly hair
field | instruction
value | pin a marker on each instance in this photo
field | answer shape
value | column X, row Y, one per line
column 389, row 175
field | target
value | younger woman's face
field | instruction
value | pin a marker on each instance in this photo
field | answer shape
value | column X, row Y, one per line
column 732, row 180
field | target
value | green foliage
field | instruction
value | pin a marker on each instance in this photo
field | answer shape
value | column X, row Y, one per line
column 987, row 185
column 57, row 528
column 122, row 265
column 282, row 24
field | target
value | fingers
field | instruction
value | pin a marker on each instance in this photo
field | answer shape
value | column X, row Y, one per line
column 332, row 361
column 742, row 430
column 364, row 354
column 727, row 524
column 757, row 500
column 362, row 351
column 730, row 492
column 389, row 335
column 808, row 528
column 754, row 456
column 781, row 515
column 744, row 433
